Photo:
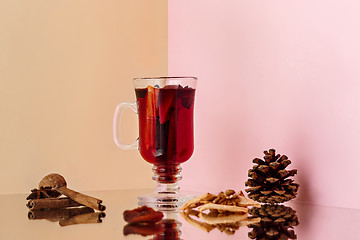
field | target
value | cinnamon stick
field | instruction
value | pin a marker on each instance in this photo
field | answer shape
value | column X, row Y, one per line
column 86, row 200
column 58, row 183
column 51, row 203
column 94, row 217
column 58, row 214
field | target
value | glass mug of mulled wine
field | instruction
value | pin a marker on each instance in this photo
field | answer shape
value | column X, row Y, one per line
column 165, row 108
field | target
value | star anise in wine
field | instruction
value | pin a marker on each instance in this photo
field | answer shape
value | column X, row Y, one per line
column 43, row 192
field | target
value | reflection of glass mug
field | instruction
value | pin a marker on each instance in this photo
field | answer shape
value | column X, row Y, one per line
column 165, row 107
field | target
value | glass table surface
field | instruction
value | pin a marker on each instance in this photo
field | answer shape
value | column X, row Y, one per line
column 315, row 222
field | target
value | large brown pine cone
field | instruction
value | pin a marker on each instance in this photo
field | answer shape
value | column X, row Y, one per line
column 268, row 180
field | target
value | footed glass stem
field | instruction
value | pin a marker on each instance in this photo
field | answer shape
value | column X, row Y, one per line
column 167, row 174
column 167, row 195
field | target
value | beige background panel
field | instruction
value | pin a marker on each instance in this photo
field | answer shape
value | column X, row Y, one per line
column 64, row 66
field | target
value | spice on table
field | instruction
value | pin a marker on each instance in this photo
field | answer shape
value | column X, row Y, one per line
column 58, row 183
column 142, row 214
column 58, row 214
column 51, row 203
column 226, row 211
column 143, row 229
column 93, row 217
column 228, row 201
column 44, row 192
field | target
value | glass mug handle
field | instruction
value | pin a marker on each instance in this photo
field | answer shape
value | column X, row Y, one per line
column 117, row 134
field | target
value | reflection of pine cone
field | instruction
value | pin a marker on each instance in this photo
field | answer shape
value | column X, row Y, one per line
column 276, row 222
column 268, row 181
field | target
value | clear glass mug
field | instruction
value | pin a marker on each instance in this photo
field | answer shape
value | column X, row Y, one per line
column 165, row 108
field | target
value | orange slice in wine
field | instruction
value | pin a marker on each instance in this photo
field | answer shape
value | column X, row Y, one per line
column 150, row 118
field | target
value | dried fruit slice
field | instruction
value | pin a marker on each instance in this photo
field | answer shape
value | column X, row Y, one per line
column 143, row 229
column 243, row 202
column 142, row 214
column 200, row 200
column 231, row 218
column 221, row 207
column 150, row 116
column 151, row 102
column 202, row 225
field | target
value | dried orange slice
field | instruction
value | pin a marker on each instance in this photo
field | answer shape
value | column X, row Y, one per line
column 149, row 126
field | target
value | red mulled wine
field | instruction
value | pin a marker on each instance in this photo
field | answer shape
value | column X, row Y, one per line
column 166, row 128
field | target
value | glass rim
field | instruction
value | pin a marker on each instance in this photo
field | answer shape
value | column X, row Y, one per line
column 163, row 78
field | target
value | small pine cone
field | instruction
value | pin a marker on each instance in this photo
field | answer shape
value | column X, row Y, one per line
column 277, row 222
column 268, row 180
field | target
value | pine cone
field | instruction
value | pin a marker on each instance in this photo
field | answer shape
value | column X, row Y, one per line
column 268, row 182
column 276, row 222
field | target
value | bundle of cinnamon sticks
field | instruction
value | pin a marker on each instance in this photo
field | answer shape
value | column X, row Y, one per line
column 49, row 203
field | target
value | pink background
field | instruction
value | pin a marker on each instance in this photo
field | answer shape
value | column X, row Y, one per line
column 272, row 74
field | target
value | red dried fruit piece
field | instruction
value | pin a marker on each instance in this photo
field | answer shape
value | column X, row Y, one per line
column 143, row 229
column 142, row 214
